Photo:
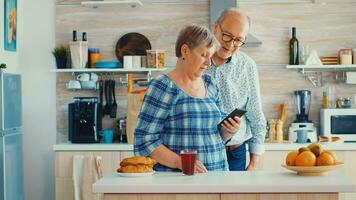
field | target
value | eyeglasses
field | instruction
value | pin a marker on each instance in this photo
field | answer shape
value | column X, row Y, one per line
column 226, row 37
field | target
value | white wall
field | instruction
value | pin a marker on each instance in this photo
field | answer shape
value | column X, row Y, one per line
column 36, row 40
column 10, row 58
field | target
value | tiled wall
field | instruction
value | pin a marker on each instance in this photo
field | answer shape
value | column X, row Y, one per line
column 325, row 26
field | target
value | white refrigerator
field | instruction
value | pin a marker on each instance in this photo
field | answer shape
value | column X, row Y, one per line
column 11, row 151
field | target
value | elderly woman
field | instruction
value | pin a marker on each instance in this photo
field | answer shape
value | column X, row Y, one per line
column 181, row 109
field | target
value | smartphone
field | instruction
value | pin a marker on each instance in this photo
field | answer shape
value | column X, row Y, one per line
column 235, row 113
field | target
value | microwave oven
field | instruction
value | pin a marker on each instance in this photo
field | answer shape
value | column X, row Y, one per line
column 338, row 123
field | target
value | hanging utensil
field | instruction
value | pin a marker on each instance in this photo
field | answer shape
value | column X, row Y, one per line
column 101, row 94
column 107, row 103
column 113, row 108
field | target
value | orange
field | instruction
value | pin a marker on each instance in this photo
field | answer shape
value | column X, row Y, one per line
column 333, row 154
column 290, row 159
column 306, row 158
column 325, row 159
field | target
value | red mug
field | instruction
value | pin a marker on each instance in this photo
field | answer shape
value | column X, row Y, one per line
column 188, row 158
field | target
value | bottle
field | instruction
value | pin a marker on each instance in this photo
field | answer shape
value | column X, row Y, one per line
column 129, row 82
column 272, row 130
column 325, row 103
column 279, row 131
column 293, row 49
column 74, row 37
column 84, row 36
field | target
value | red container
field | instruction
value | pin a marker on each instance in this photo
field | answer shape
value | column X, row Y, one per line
column 188, row 158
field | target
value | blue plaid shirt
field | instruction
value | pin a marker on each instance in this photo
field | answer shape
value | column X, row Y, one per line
column 171, row 117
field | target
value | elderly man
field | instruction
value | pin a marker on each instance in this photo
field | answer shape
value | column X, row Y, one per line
column 236, row 76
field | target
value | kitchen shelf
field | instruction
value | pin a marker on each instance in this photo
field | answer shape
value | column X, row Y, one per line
column 104, row 71
column 102, row 3
column 327, row 68
column 314, row 73
column 117, row 70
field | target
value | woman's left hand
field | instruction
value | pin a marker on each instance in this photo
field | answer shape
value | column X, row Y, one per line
column 232, row 125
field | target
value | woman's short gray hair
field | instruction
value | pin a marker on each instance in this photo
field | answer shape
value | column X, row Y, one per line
column 193, row 36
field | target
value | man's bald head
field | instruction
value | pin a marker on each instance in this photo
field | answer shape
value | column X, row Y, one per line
column 234, row 13
column 231, row 29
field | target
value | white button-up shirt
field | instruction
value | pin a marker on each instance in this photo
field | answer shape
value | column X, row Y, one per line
column 238, row 82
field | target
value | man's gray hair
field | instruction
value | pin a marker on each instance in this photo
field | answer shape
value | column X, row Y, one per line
column 193, row 36
column 228, row 11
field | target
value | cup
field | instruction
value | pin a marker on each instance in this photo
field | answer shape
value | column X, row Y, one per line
column 144, row 61
column 108, row 135
column 188, row 159
column 136, row 61
column 88, row 84
column 93, row 77
column 83, row 77
column 73, row 84
column 127, row 62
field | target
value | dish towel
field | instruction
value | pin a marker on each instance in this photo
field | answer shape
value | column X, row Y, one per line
column 86, row 171
column 78, row 161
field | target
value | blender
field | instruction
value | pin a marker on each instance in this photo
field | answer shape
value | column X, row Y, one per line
column 302, row 130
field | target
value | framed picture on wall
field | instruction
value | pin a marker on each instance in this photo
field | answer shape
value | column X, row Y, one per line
column 10, row 25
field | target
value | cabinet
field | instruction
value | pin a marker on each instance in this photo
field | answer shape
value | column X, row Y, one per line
column 64, row 164
column 272, row 160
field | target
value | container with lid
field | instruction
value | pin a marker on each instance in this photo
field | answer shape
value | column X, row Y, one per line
column 155, row 58
column 345, row 56
column 94, row 56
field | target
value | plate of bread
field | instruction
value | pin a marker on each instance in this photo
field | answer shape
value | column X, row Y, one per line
column 136, row 166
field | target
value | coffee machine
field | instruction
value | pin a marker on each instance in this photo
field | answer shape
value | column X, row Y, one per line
column 84, row 120
column 302, row 124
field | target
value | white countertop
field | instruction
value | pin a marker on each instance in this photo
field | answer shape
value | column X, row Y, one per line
column 129, row 147
column 225, row 182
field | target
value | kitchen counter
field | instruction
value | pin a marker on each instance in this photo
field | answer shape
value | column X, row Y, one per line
column 225, row 182
column 250, row 185
column 129, row 147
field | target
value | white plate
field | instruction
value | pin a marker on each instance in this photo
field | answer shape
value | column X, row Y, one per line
column 136, row 174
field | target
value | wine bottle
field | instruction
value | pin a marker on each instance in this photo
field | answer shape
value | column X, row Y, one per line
column 84, row 36
column 293, row 49
column 74, row 36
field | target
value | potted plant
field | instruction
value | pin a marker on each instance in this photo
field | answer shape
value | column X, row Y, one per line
column 2, row 66
column 61, row 53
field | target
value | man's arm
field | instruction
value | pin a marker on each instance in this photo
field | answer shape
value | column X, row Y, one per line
column 255, row 118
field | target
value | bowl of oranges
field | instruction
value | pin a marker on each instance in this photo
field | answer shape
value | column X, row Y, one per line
column 312, row 160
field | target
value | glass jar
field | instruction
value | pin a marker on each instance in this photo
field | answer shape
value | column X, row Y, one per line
column 94, row 56
column 347, row 102
column 325, row 103
column 155, row 58
column 345, row 56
